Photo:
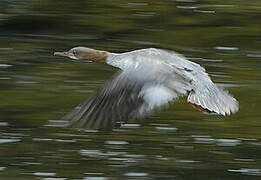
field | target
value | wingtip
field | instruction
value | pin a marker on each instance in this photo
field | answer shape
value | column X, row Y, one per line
column 232, row 110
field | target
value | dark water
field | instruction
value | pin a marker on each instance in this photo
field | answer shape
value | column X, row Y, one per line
column 37, row 89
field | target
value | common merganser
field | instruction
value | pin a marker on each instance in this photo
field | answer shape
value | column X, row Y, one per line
column 148, row 80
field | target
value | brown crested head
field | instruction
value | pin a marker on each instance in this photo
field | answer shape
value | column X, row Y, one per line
column 84, row 53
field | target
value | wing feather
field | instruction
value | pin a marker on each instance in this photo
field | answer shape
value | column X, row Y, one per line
column 120, row 99
column 211, row 97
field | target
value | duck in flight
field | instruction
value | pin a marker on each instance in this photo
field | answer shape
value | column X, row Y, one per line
column 147, row 81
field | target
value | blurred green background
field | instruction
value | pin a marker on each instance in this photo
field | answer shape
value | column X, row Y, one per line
column 37, row 89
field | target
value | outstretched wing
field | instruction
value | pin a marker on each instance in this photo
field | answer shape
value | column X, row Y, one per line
column 203, row 93
column 210, row 97
column 122, row 98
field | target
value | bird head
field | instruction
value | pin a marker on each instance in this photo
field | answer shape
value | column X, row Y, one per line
column 84, row 53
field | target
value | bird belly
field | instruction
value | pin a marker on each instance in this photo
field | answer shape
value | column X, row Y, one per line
column 157, row 95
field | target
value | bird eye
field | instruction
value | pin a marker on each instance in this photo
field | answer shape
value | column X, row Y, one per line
column 74, row 52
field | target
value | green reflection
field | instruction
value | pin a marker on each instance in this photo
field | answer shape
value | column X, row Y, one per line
column 39, row 87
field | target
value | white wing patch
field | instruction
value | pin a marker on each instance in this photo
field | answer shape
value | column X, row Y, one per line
column 157, row 95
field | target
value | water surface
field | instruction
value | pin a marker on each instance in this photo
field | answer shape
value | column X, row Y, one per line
column 37, row 89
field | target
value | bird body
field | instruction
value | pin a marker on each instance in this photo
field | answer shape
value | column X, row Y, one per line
column 147, row 81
